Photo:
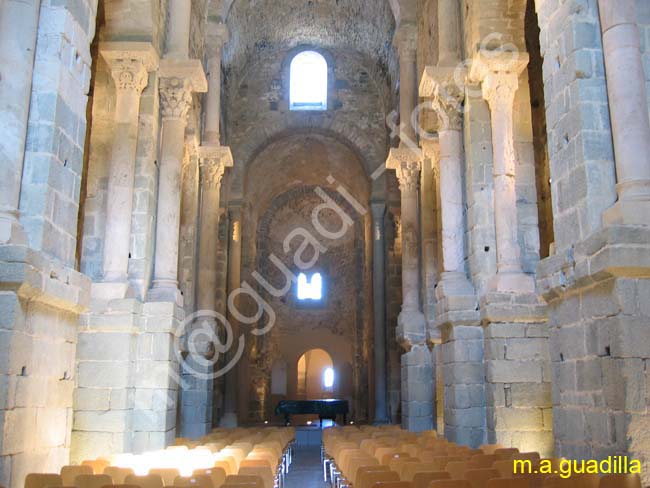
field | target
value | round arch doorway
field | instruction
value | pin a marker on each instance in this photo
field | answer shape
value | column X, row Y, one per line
column 316, row 377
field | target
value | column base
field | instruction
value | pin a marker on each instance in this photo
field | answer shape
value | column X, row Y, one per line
column 515, row 282
column 411, row 328
column 633, row 212
column 229, row 420
column 456, row 301
column 110, row 290
column 164, row 292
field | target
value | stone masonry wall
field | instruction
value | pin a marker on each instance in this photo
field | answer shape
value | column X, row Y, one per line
column 56, row 132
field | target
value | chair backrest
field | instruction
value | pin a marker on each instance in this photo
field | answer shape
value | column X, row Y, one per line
column 478, row 478
column 372, row 477
column 263, row 472
column 392, row 484
column 118, row 475
column 226, row 463
column 457, row 469
column 92, row 480
column 409, row 470
column 198, row 481
column 217, row 475
column 423, row 480
column 620, row 481
column 42, row 480
column 237, row 479
column 450, row 484
column 505, row 453
column 530, row 456
column 69, row 473
column 519, row 482
column 168, row 475
column 121, row 485
column 482, row 461
column 98, row 465
column 490, row 448
column 149, row 481
column 585, row 480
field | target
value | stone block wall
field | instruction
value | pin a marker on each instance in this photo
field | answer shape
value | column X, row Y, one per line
column 579, row 135
column 464, row 384
column 56, row 131
column 40, row 304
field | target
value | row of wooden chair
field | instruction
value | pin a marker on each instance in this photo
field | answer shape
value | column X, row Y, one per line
column 376, row 458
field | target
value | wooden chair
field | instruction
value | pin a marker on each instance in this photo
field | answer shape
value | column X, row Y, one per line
column 92, row 480
column 217, row 475
column 450, row 484
column 149, row 481
column 411, row 469
column 392, row 484
column 120, row 486
column 168, row 475
column 372, row 477
column 198, row 481
column 478, row 478
column 505, row 454
column 118, row 475
column 533, row 457
column 69, row 473
column 363, row 472
column 457, row 469
column 505, row 468
column 490, row 448
column 42, row 480
column 226, row 463
column 98, row 465
column 620, row 481
column 482, row 461
column 236, row 479
column 263, row 472
column 423, row 480
column 520, row 482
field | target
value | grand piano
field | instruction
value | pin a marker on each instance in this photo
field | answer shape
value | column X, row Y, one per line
column 325, row 409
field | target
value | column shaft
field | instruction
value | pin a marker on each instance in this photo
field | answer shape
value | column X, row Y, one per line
column 626, row 87
column 180, row 12
column 379, row 303
column 18, row 28
column 176, row 101
column 451, row 196
column 406, row 40
column 448, row 32
column 213, row 102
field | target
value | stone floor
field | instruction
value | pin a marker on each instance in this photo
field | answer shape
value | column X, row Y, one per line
column 306, row 470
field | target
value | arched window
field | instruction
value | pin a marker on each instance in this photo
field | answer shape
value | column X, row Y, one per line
column 328, row 378
column 311, row 289
column 308, row 82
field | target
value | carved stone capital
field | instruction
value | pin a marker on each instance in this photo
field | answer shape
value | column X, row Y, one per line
column 407, row 164
column 129, row 63
column 498, row 72
column 213, row 162
column 175, row 98
column 445, row 87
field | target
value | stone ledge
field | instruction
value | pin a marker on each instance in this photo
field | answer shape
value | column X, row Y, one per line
column 612, row 252
column 512, row 307
column 33, row 276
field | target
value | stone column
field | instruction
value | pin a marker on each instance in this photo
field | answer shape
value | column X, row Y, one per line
column 626, row 87
column 18, row 28
column 129, row 64
column 499, row 78
column 449, row 30
column 178, row 35
column 211, row 129
column 230, row 418
column 457, row 316
column 178, row 80
column 379, row 304
column 417, row 383
column 428, row 222
column 406, row 41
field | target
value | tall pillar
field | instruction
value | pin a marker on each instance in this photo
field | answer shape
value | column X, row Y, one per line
column 406, row 41
column 178, row 35
column 18, row 28
column 499, row 78
column 457, row 314
column 231, row 394
column 513, row 316
column 129, row 63
column 449, row 29
column 428, row 221
column 626, row 87
column 417, row 392
column 379, row 304
column 211, row 130
column 196, row 413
